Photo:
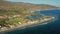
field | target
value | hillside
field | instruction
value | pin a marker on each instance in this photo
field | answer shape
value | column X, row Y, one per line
column 11, row 8
column 6, row 4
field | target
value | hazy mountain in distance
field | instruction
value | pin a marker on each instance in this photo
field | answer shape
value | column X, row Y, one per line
column 6, row 5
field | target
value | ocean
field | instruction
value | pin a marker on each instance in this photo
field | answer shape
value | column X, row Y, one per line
column 52, row 27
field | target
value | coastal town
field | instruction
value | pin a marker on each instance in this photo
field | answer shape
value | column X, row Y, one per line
column 16, row 21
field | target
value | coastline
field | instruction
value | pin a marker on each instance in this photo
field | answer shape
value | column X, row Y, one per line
column 25, row 25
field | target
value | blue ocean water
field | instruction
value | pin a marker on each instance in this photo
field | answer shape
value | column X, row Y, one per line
column 50, row 28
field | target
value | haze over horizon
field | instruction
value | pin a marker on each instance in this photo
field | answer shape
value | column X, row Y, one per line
column 50, row 2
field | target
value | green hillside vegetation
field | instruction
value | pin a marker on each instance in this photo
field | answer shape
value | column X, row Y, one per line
column 13, row 11
column 6, row 22
column 15, row 20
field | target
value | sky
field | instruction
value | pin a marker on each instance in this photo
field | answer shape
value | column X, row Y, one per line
column 50, row 2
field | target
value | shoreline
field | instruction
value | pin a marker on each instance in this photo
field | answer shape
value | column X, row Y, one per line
column 25, row 25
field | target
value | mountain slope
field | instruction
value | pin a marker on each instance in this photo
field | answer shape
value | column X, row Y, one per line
column 22, row 8
column 5, row 4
